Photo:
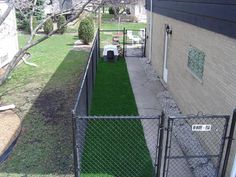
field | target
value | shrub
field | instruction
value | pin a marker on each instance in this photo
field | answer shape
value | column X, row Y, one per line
column 48, row 26
column 86, row 31
column 23, row 16
column 60, row 22
column 110, row 10
column 90, row 19
column 26, row 24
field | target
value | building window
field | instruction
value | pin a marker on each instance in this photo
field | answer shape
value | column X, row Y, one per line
column 196, row 60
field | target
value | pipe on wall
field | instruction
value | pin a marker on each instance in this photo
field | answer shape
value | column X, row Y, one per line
column 150, row 33
column 233, row 172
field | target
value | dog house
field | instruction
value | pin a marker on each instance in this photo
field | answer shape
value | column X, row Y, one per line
column 110, row 52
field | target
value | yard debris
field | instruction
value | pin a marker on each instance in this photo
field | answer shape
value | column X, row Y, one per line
column 28, row 56
column 4, row 108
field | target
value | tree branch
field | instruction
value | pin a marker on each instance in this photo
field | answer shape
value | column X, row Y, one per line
column 18, row 56
column 6, row 13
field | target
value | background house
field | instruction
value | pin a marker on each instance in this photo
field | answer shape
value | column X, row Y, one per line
column 8, row 36
column 192, row 45
column 138, row 10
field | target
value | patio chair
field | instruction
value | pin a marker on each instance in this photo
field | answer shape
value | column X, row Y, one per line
column 133, row 38
column 142, row 33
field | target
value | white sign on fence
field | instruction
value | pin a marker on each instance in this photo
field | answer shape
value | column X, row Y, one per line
column 201, row 127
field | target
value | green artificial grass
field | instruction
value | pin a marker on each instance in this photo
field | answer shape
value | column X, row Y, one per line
column 114, row 147
column 113, row 93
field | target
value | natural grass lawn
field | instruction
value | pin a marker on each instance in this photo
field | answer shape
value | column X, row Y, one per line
column 128, row 25
column 44, row 97
column 115, row 147
column 107, row 16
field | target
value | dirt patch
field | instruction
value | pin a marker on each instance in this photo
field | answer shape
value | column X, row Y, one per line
column 80, row 46
column 50, row 103
column 10, row 126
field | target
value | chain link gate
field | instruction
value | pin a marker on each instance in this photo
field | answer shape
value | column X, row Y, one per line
column 195, row 146
column 135, row 43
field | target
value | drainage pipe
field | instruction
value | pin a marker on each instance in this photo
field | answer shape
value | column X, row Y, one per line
column 150, row 33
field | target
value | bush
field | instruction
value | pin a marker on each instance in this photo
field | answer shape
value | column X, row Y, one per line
column 26, row 24
column 110, row 10
column 90, row 19
column 86, row 31
column 48, row 26
column 23, row 16
column 60, row 22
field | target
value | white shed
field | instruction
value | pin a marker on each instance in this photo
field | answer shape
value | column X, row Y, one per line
column 8, row 36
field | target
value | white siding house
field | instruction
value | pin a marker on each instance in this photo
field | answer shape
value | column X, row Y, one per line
column 138, row 10
column 8, row 36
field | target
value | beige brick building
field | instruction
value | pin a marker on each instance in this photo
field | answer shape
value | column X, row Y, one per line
column 197, row 65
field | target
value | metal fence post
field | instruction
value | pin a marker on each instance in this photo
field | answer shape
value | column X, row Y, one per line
column 98, row 44
column 74, row 144
column 161, row 141
column 93, row 58
column 230, row 140
column 124, row 42
column 87, row 97
column 145, row 42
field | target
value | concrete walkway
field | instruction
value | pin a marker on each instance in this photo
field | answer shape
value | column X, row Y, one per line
column 151, row 98
column 145, row 88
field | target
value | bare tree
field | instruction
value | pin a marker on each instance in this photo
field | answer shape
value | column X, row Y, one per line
column 77, row 9
column 119, row 7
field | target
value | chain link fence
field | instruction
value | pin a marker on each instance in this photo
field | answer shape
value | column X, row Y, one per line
column 135, row 42
column 129, row 42
column 118, row 146
column 83, row 101
column 145, row 146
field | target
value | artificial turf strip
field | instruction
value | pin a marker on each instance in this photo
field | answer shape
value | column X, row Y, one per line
column 113, row 93
column 114, row 148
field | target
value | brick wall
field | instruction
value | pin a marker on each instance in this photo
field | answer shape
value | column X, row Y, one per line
column 216, row 94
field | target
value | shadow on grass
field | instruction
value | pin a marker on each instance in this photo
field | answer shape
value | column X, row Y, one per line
column 45, row 144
